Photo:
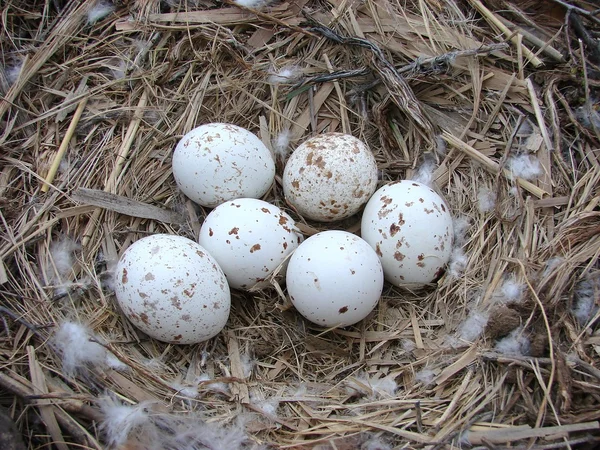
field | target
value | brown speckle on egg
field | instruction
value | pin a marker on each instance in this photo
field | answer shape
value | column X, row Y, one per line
column 398, row 256
column 175, row 302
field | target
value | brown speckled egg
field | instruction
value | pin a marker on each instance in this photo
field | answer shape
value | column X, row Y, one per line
column 250, row 239
column 217, row 162
column 334, row 279
column 410, row 227
column 172, row 289
column 330, row 177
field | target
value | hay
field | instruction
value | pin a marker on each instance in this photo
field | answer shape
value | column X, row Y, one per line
column 94, row 101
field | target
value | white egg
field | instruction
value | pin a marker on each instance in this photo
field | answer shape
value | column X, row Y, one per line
column 410, row 227
column 334, row 278
column 172, row 289
column 330, row 177
column 217, row 162
column 249, row 238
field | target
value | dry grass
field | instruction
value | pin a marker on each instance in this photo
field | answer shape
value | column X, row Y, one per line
column 115, row 96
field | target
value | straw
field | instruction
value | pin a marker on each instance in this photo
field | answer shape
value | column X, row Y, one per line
column 471, row 89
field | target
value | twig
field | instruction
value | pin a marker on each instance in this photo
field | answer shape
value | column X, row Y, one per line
column 122, row 157
column 419, row 418
column 13, row 315
column 64, row 145
column 582, row 12
column 591, row 370
column 491, row 165
column 493, row 19
column 400, row 92
column 426, row 66
column 505, row 435
column 582, row 33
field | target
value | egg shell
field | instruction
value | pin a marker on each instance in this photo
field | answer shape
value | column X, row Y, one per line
column 249, row 238
column 410, row 227
column 217, row 162
column 172, row 289
column 334, row 278
column 330, row 177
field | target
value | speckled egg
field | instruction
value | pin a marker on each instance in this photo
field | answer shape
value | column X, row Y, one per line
column 250, row 239
column 172, row 289
column 217, row 162
column 330, row 177
column 410, row 227
column 334, row 278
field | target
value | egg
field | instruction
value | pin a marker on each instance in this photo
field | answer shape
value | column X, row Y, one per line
column 172, row 289
column 249, row 238
column 410, row 227
column 217, row 162
column 334, row 278
column 330, row 177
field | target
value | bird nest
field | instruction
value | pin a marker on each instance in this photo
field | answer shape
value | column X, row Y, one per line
column 492, row 103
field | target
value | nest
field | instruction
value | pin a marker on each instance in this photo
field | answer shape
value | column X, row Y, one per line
column 494, row 103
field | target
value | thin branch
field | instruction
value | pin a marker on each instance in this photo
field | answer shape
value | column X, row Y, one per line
column 421, row 66
column 582, row 12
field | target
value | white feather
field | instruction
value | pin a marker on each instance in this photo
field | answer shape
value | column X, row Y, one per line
column 281, row 144
column 373, row 386
column 473, row 326
column 115, row 363
column 440, row 145
column 460, row 225
column 425, row 376
column 215, row 386
column 62, row 253
column 76, row 350
column 254, row 4
column 268, row 406
column 524, row 166
column 185, row 391
column 587, row 293
column 12, row 72
column 375, row 443
column 247, row 365
column 407, row 345
column 424, row 173
column 99, row 11
column 486, row 200
column 286, row 74
column 511, row 290
column 122, row 420
column 525, row 129
column 458, row 262
column 515, row 343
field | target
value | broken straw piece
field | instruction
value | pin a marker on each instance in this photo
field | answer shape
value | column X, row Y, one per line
column 64, row 145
